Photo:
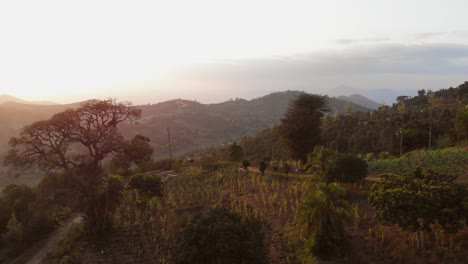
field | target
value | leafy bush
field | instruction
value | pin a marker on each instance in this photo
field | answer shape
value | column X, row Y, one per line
column 347, row 168
column 147, row 184
column 245, row 164
column 417, row 200
column 221, row 237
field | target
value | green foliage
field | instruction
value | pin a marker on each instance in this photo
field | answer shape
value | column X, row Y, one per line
column 235, row 152
column 447, row 160
column 423, row 119
column 108, row 197
column 320, row 219
column 26, row 216
column 148, row 185
column 245, row 164
column 264, row 143
column 320, row 160
column 300, row 127
column 347, row 168
column 136, row 151
column 221, row 237
column 13, row 238
column 18, row 199
column 416, row 200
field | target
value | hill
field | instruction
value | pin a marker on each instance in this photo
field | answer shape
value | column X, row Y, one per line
column 361, row 100
column 192, row 125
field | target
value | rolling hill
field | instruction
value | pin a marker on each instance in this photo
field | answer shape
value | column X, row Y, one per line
column 192, row 125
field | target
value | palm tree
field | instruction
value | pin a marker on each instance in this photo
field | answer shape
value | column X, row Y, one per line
column 320, row 218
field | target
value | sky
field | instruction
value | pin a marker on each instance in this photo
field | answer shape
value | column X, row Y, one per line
column 210, row 51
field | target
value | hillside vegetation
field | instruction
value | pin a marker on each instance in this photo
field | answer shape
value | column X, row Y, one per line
column 295, row 192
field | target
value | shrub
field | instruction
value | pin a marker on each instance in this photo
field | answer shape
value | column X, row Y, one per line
column 263, row 166
column 221, row 237
column 348, row 168
column 147, row 184
column 245, row 164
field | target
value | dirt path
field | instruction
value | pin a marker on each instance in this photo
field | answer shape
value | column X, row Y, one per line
column 39, row 251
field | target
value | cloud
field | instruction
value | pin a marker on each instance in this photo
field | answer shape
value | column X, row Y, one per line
column 368, row 67
column 361, row 41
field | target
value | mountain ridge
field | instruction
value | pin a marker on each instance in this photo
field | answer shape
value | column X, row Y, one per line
column 5, row 98
column 361, row 100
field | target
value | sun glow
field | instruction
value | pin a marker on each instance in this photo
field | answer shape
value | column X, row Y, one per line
column 66, row 51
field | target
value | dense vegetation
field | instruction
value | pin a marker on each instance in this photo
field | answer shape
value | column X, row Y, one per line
column 429, row 120
column 296, row 193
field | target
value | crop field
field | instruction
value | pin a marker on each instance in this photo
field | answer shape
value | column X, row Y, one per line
column 449, row 160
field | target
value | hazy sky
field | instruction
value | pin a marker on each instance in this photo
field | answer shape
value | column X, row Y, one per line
column 149, row 51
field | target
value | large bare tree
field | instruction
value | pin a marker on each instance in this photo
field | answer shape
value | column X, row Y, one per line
column 74, row 144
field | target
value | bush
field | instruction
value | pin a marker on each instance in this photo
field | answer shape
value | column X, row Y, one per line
column 263, row 166
column 348, row 168
column 221, row 237
column 245, row 164
column 147, row 185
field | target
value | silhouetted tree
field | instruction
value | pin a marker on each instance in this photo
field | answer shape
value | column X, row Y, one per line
column 300, row 127
column 76, row 142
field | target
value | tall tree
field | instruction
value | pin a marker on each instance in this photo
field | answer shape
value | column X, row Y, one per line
column 75, row 143
column 300, row 127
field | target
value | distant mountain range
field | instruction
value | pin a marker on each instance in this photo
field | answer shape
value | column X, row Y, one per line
column 380, row 96
column 8, row 98
column 193, row 125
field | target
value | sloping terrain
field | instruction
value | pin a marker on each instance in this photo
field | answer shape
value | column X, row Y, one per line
column 192, row 125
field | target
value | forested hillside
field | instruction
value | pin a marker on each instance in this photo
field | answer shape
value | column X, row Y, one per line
column 431, row 119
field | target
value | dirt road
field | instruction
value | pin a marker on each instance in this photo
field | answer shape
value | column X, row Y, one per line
column 38, row 252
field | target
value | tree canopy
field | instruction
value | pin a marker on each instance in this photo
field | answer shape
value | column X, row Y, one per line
column 300, row 127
